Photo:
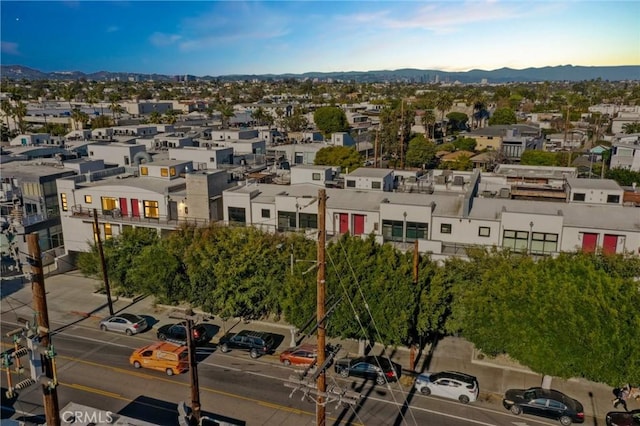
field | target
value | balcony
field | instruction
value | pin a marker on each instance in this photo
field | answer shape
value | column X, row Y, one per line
column 116, row 216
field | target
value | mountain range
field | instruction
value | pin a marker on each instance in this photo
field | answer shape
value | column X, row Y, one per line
column 502, row 75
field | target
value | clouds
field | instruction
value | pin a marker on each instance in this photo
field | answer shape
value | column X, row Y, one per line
column 8, row 48
column 162, row 39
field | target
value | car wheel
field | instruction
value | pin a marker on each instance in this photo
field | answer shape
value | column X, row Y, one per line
column 224, row 348
column 136, row 364
column 128, row 332
column 162, row 336
column 380, row 380
column 464, row 399
column 253, row 354
column 103, row 327
column 169, row 372
column 344, row 372
column 425, row 390
column 565, row 421
column 286, row 362
column 516, row 410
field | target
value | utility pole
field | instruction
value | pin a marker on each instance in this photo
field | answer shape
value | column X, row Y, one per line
column 416, row 261
column 189, row 318
column 375, row 151
column 320, row 314
column 105, row 276
column 402, row 134
column 49, row 392
column 566, row 129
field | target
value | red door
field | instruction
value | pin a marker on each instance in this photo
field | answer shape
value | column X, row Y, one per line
column 124, row 209
column 358, row 224
column 589, row 242
column 135, row 208
column 609, row 244
column 344, row 223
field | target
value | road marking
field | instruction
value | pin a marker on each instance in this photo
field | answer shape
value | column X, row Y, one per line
column 520, row 424
column 94, row 390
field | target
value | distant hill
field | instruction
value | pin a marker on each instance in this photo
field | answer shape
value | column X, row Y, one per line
column 502, row 75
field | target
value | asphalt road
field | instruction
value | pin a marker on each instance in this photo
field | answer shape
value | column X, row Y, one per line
column 93, row 370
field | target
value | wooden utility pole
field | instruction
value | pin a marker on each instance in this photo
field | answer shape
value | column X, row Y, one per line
column 416, row 262
column 566, row 129
column 189, row 318
column 105, row 276
column 321, row 382
column 402, row 134
column 49, row 392
column 375, row 151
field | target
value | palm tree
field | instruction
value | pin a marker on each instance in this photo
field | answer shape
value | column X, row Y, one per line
column 429, row 123
column 19, row 112
column 155, row 117
column 7, row 109
column 444, row 103
column 227, row 112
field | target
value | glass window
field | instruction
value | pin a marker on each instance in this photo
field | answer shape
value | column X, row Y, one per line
column 107, row 231
column 172, row 171
column 88, row 199
column 108, row 204
column 315, row 176
column 515, row 240
column 579, row 196
column 237, row 215
column 144, row 171
column 266, row 213
column 151, row 209
column 615, row 199
column 308, row 221
column 542, row 243
column 63, row 202
column 351, row 184
column 484, row 231
column 445, row 228
column 392, row 230
column 416, row 231
column 286, row 221
column 164, row 172
column 376, row 185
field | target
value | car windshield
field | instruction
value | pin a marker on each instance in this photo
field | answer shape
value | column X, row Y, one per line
column 130, row 317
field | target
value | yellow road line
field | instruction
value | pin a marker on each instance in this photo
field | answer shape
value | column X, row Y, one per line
column 94, row 390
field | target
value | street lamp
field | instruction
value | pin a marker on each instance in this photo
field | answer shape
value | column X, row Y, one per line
column 530, row 237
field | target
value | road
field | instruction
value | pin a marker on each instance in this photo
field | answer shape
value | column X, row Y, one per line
column 93, row 370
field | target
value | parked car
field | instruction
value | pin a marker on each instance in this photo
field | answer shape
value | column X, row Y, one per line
column 177, row 333
column 163, row 356
column 124, row 323
column 544, row 403
column 381, row 369
column 623, row 418
column 257, row 343
column 449, row 384
column 303, row 355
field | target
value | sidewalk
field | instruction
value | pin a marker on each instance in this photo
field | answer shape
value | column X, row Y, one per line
column 71, row 298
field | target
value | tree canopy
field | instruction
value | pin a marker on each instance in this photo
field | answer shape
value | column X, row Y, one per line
column 330, row 119
column 420, row 152
column 466, row 144
column 345, row 157
column 503, row 116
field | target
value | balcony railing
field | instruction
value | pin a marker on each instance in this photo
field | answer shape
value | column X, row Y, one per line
column 116, row 216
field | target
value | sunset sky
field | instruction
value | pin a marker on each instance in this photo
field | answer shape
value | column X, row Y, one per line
column 237, row 37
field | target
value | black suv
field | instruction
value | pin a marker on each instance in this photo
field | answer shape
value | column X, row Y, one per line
column 257, row 343
column 544, row 403
column 177, row 333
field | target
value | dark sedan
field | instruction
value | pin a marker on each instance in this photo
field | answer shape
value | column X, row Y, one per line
column 547, row 403
column 177, row 333
column 623, row 418
column 378, row 368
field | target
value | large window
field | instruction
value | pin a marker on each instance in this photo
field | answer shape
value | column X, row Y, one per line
column 416, row 231
column 542, row 243
column 615, row 199
column 392, row 230
column 237, row 215
column 286, row 221
column 266, row 213
column 108, row 204
column 579, row 196
column 107, row 231
column 63, row 202
column 308, row 220
column 144, row 170
column 376, row 185
column 151, row 209
column 351, row 183
column 515, row 240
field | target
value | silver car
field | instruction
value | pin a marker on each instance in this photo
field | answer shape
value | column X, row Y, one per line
column 124, row 323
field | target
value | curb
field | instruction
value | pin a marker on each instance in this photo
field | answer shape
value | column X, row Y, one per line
column 475, row 360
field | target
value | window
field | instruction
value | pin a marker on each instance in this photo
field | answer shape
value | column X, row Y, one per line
column 376, row 185
column 266, row 213
column 108, row 204
column 237, row 215
column 416, row 231
column 308, row 221
column 63, row 202
column 164, row 172
column 88, row 199
column 126, row 160
column 542, row 243
column 151, row 209
column 107, row 231
column 515, row 240
column 315, row 176
column 286, row 221
column 484, row 231
column 579, row 196
column 351, row 184
column 172, row 171
column 392, row 230
column 144, row 171
column 615, row 199
column 445, row 228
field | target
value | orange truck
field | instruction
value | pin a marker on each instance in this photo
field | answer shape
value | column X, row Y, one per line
column 163, row 356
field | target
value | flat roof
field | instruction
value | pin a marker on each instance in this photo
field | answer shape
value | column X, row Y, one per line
column 370, row 172
column 607, row 184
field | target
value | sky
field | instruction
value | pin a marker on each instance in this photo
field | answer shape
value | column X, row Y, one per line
column 275, row 37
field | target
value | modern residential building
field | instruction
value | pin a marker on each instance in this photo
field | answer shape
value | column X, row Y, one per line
column 626, row 152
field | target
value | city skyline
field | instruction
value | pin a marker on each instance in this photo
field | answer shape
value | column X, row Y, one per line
column 234, row 37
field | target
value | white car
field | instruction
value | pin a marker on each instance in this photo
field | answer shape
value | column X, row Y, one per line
column 449, row 384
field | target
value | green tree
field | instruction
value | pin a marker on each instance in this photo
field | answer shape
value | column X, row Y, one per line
column 420, row 152
column 503, row 116
column 345, row 157
column 20, row 112
column 330, row 120
column 532, row 157
column 7, row 110
column 465, row 144
column 631, row 127
column 429, row 123
column 296, row 122
column 101, row 121
column 444, row 103
column 457, row 121
column 624, row 177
